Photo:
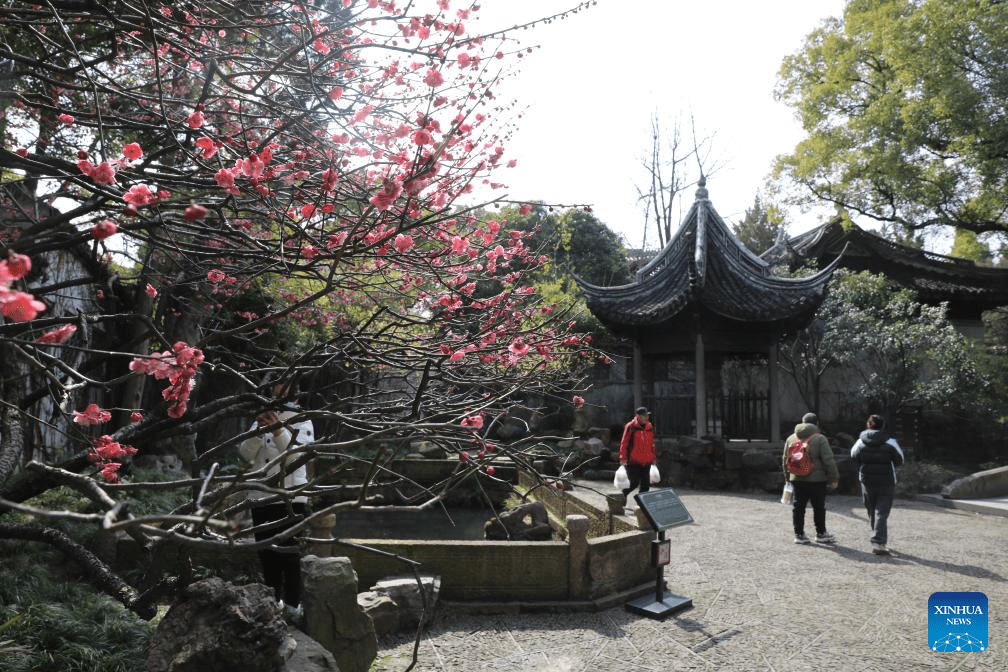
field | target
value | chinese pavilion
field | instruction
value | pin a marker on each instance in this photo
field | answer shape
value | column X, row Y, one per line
column 706, row 297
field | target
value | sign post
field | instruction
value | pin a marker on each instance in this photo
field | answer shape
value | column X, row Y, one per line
column 663, row 510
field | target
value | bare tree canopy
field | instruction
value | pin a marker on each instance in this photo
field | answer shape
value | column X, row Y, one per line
column 669, row 168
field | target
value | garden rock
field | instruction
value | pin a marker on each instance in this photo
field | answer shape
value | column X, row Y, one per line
column 218, row 626
column 304, row 654
column 410, row 597
column 586, row 449
column 762, row 459
column 988, row 483
column 382, row 610
column 332, row 615
column 525, row 522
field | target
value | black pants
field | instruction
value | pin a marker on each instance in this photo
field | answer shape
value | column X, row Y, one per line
column 639, row 475
column 806, row 492
column 281, row 571
column 878, row 502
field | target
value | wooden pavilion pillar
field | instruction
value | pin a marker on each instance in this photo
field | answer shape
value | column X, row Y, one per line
column 700, row 386
column 774, row 394
column 638, row 372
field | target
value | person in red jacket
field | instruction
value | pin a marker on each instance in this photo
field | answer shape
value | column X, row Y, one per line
column 637, row 451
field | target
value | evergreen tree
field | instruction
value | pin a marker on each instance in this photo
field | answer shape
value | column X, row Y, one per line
column 760, row 228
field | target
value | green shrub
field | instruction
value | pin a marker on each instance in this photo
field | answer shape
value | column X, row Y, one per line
column 919, row 478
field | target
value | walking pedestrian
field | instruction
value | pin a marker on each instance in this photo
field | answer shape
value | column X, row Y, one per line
column 811, row 488
column 637, row 451
column 877, row 455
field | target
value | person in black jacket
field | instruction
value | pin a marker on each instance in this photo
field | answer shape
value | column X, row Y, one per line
column 877, row 456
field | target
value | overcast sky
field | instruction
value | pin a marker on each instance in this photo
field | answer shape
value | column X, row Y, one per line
column 598, row 76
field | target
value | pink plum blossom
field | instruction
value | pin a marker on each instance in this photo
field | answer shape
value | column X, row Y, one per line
column 207, row 146
column 132, row 151
column 433, row 78
column 59, row 335
column 519, row 347
column 403, row 243
column 15, row 267
column 139, row 195
column 103, row 229
column 195, row 212
column 19, row 306
column 92, row 415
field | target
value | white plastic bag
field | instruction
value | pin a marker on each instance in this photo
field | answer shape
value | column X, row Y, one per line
column 655, row 476
column 621, row 481
column 788, row 493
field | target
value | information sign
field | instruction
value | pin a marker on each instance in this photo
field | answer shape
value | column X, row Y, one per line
column 663, row 508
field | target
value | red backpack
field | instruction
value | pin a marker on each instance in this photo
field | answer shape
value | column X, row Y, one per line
column 799, row 462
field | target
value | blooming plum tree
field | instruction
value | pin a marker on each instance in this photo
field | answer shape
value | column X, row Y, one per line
column 204, row 200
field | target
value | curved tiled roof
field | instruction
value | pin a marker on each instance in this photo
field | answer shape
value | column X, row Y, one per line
column 969, row 289
column 706, row 268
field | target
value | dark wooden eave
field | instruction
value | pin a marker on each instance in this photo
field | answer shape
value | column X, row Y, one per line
column 706, row 270
column 967, row 288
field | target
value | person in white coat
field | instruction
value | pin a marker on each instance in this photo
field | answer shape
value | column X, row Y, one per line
column 281, row 571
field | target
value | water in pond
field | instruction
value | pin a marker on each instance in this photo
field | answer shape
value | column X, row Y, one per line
column 403, row 523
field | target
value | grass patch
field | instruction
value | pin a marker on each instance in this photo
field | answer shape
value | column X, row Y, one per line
column 51, row 618
column 58, row 623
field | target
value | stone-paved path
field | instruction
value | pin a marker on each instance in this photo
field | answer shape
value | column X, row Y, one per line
column 760, row 602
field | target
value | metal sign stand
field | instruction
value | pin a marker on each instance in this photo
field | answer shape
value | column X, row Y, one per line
column 663, row 510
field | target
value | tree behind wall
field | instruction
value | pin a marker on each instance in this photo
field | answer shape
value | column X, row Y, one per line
column 276, row 185
column 897, row 348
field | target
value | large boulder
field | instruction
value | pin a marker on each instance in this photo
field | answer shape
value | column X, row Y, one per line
column 583, row 450
column 988, row 483
column 382, row 610
column 218, row 626
column 602, row 433
column 762, row 459
column 332, row 615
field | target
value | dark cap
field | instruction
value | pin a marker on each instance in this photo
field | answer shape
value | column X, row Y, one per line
column 641, row 410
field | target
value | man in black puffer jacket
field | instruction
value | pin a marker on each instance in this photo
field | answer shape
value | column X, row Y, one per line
column 877, row 456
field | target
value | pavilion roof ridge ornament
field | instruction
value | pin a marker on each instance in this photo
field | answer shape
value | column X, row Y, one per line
column 701, row 192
